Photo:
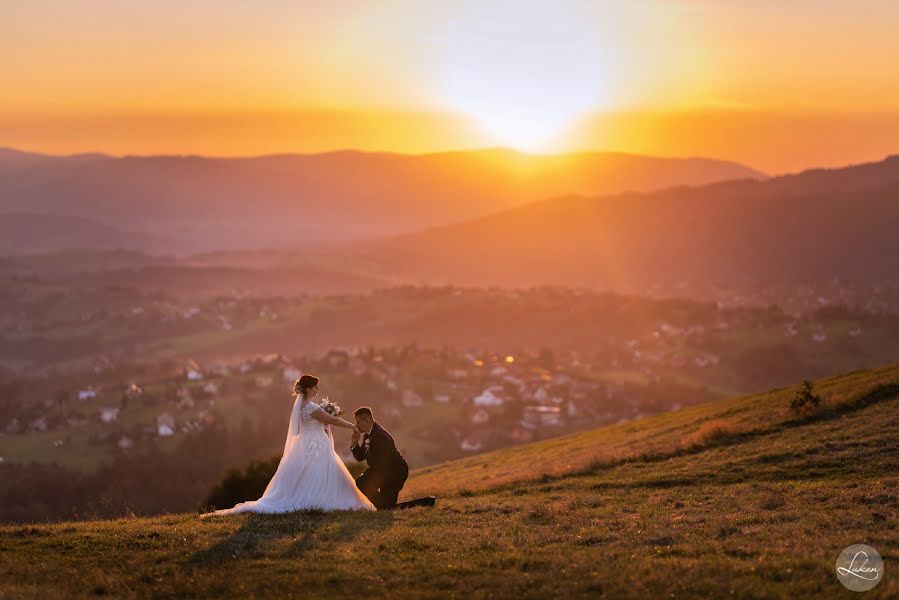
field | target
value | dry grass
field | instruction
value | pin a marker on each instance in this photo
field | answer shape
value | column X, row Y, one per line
column 653, row 437
column 762, row 514
column 709, row 434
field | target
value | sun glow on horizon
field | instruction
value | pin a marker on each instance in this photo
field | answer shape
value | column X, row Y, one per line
column 778, row 85
column 524, row 72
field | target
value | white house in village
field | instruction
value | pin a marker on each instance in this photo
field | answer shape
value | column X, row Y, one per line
column 410, row 399
column 125, row 443
column 487, row 398
column 109, row 414
column 291, row 374
column 194, row 375
column 76, row 420
column 541, row 416
column 211, row 388
column 669, row 329
column 165, row 425
column 480, row 416
column 185, row 398
column 222, row 370
column 87, row 394
column 471, row 444
column 358, row 367
column 442, row 398
column 706, row 359
column 457, row 373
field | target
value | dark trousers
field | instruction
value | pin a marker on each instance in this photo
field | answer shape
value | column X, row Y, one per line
column 383, row 488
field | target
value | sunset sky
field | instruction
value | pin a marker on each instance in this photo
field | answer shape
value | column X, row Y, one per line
column 777, row 85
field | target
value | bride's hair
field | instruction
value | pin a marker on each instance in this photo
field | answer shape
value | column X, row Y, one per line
column 304, row 383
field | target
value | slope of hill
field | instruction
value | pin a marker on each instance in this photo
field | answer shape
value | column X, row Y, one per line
column 738, row 498
column 72, row 262
column 29, row 233
column 239, row 203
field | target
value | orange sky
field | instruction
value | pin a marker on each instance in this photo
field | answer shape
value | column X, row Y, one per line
column 778, row 85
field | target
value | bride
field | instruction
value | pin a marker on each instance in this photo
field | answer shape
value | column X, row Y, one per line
column 310, row 475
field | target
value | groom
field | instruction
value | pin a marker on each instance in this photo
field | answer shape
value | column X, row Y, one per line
column 387, row 469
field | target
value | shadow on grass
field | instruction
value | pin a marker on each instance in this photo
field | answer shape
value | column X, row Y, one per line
column 265, row 535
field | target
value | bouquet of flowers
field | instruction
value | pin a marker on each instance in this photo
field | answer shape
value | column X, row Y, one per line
column 331, row 408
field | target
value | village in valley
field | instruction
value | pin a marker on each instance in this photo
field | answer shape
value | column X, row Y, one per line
column 119, row 383
column 446, row 403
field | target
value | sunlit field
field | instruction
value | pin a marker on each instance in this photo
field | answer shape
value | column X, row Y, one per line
column 757, row 499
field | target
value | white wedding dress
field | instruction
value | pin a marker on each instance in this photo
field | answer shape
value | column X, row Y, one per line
column 310, row 475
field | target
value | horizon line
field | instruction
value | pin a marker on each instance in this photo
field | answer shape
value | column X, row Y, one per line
column 373, row 152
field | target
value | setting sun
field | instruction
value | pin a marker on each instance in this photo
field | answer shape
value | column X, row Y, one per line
column 525, row 71
column 673, row 78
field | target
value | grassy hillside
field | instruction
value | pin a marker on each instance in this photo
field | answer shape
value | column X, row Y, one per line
column 739, row 498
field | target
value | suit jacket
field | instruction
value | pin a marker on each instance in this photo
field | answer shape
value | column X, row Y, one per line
column 378, row 448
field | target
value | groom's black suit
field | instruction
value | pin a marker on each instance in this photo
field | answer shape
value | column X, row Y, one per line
column 387, row 469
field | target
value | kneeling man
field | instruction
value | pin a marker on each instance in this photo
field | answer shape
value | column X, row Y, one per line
column 387, row 469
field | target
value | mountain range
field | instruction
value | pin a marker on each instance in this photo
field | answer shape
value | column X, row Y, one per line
column 203, row 204
column 30, row 233
column 812, row 225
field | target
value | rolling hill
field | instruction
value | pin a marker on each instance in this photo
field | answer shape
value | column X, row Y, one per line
column 813, row 225
column 29, row 233
column 291, row 200
column 72, row 263
column 85, row 258
column 739, row 498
